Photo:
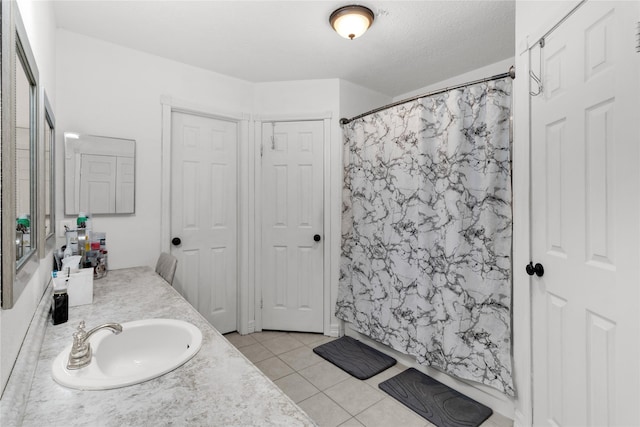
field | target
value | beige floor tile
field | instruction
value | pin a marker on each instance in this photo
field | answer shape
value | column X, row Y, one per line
column 388, row 412
column 351, row 422
column 307, row 338
column 300, row 358
column 267, row 335
column 296, row 387
column 274, row 368
column 498, row 420
column 256, row 352
column 385, row 375
column 240, row 340
column 354, row 395
column 323, row 340
column 324, row 375
column 282, row 344
column 324, row 411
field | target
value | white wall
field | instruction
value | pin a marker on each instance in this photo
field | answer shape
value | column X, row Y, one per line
column 296, row 97
column 105, row 89
column 39, row 22
column 480, row 73
column 356, row 99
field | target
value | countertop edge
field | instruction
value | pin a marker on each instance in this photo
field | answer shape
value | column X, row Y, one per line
column 16, row 394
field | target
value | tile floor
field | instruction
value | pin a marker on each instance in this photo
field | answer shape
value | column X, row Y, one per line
column 329, row 395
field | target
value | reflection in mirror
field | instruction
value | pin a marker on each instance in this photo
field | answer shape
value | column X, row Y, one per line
column 49, row 170
column 99, row 174
column 25, row 161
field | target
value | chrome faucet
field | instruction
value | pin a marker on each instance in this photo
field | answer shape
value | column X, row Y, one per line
column 80, row 355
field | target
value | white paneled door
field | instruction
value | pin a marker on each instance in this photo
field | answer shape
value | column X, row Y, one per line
column 204, row 215
column 586, row 221
column 98, row 183
column 292, row 226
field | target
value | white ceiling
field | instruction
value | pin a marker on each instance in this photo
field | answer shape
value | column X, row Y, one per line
column 411, row 44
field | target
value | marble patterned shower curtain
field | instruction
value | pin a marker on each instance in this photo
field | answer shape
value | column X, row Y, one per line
column 426, row 231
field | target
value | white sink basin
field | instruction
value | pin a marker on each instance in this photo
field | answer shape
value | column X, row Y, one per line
column 145, row 349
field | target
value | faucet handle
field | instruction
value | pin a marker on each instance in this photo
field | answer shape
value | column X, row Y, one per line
column 79, row 339
column 80, row 353
column 80, row 334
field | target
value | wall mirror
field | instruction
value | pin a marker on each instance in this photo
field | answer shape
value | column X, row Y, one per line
column 99, row 174
column 25, row 173
column 19, row 157
column 49, row 173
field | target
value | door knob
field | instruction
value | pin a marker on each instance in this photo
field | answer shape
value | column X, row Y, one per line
column 537, row 269
column 176, row 241
column 316, row 238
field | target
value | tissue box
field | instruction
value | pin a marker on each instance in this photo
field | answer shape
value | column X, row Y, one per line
column 79, row 287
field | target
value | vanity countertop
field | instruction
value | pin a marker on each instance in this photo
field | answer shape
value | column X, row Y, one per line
column 218, row 387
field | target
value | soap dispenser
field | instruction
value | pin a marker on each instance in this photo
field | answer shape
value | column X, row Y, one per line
column 60, row 305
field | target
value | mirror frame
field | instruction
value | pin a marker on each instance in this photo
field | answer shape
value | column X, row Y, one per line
column 49, row 125
column 15, row 42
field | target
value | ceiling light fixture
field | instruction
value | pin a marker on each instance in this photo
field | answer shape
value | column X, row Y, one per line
column 351, row 21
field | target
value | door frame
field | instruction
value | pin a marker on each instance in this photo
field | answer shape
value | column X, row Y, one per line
column 172, row 105
column 259, row 120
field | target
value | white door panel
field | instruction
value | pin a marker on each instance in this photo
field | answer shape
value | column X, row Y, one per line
column 585, row 221
column 292, row 204
column 98, row 183
column 125, row 184
column 204, row 215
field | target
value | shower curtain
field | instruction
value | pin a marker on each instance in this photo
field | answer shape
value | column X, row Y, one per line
column 426, row 231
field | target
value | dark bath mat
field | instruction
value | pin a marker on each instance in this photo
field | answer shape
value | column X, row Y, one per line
column 354, row 357
column 438, row 403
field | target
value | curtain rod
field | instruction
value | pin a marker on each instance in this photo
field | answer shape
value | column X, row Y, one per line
column 511, row 73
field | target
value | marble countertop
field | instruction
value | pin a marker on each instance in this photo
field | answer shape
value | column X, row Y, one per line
column 218, row 387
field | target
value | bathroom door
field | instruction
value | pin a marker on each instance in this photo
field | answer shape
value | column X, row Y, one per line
column 586, row 221
column 292, row 226
column 98, row 183
column 204, row 215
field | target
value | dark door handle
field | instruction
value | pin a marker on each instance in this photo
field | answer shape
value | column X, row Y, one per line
column 316, row 238
column 537, row 269
column 176, row 241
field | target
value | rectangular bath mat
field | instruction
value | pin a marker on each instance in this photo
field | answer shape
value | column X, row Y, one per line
column 438, row 403
column 354, row 357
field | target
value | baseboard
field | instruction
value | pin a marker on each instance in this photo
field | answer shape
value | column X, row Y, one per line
column 520, row 420
column 334, row 330
column 251, row 326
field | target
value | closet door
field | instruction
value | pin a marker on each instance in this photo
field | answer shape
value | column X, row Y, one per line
column 204, row 215
column 585, row 221
column 292, row 226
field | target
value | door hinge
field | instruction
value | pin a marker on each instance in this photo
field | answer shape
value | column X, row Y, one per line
column 638, row 37
column 261, row 305
column 261, row 149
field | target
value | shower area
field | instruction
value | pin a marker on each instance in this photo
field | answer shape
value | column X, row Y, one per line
column 427, row 230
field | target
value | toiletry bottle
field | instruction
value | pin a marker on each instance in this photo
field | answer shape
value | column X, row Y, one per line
column 81, row 221
column 60, row 306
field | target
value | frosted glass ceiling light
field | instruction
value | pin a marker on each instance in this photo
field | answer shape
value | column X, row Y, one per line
column 351, row 21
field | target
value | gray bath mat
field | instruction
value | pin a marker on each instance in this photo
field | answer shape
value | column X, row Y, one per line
column 354, row 357
column 441, row 405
